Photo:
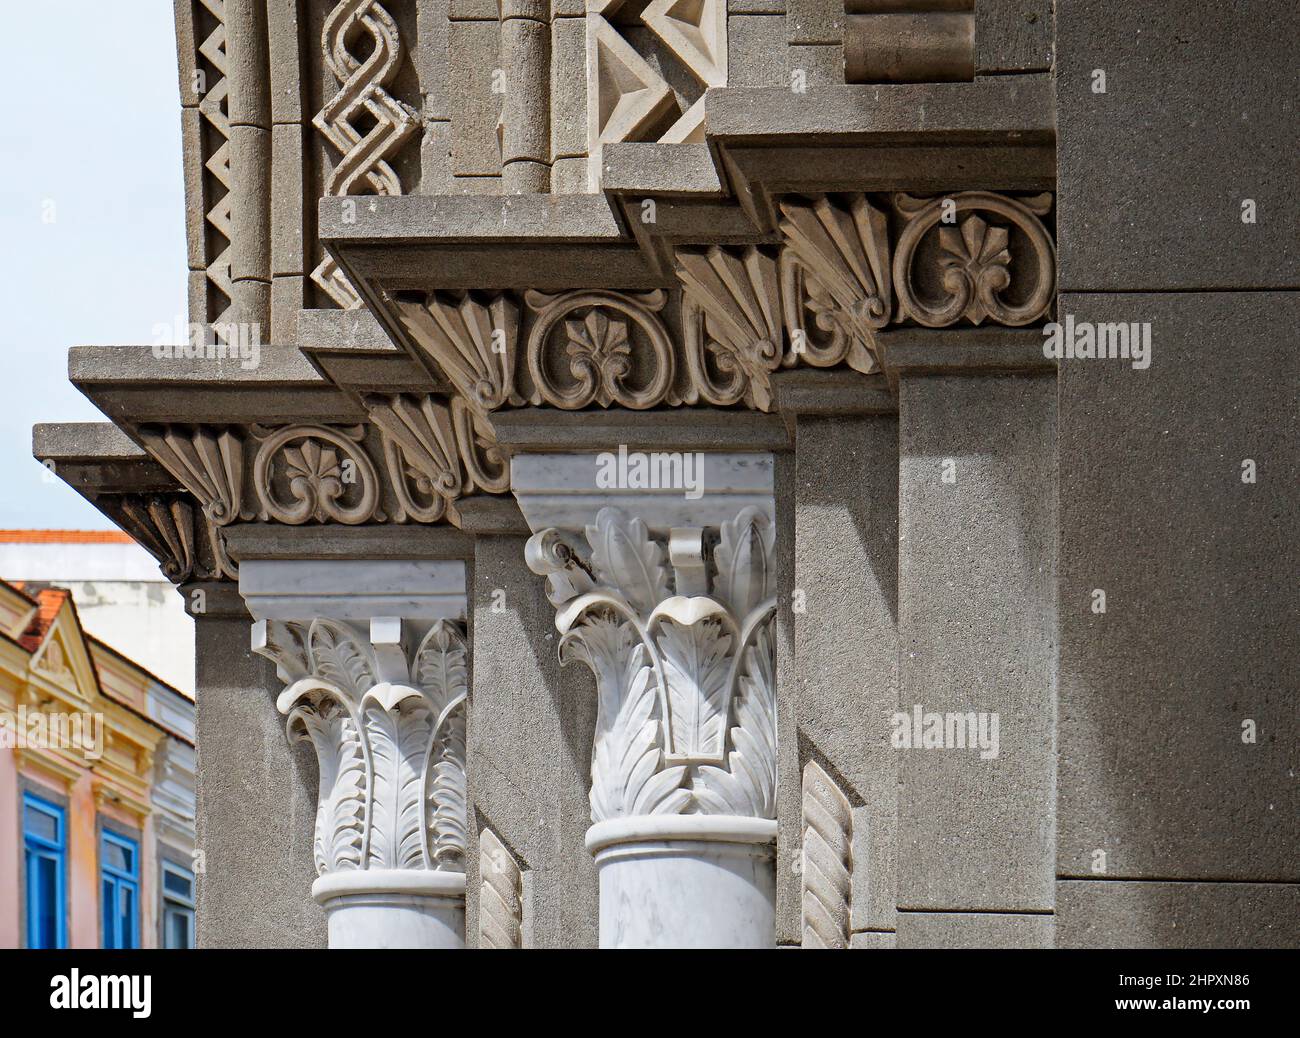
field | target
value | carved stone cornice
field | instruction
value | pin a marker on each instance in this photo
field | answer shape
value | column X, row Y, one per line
column 679, row 636
column 384, row 710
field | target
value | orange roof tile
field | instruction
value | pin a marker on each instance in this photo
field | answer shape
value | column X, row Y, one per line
column 64, row 537
column 51, row 600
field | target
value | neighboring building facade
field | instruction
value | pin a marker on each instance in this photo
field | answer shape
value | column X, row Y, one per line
column 121, row 597
column 96, row 787
column 885, row 402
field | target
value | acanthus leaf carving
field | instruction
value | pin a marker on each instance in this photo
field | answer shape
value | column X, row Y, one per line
column 391, row 754
column 686, row 714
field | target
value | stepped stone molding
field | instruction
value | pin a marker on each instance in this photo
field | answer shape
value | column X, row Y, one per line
column 387, row 723
column 501, row 895
column 679, row 636
column 363, row 72
column 827, row 861
column 849, row 269
column 627, row 98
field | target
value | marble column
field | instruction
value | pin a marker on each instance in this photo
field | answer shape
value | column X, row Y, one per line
column 375, row 662
column 664, row 586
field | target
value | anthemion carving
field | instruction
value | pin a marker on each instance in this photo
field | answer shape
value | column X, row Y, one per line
column 679, row 638
column 501, row 895
column 827, row 863
column 318, row 473
column 849, row 270
column 436, row 453
column 976, row 258
column 209, row 463
column 362, row 49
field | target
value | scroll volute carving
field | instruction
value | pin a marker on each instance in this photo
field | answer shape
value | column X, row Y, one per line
column 315, row 473
column 974, row 256
column 686, row 717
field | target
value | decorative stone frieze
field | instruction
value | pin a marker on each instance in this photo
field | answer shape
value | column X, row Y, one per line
column 382, row 702
column 415, row 459
column 849, row 270
column 362, row 49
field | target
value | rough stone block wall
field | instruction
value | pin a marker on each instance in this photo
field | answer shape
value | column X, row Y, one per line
column 1174, row 829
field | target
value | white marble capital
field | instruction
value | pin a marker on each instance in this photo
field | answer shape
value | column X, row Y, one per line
column 375, row 662
column 673, row 614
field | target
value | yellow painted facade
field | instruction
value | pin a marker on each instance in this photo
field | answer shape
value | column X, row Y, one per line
column 52, row 671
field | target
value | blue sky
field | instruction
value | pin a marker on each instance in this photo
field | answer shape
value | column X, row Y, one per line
column 92, row 219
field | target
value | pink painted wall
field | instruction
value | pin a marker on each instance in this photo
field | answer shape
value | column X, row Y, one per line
column 11, row 851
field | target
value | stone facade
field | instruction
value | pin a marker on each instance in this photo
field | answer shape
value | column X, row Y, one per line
column 832, row 379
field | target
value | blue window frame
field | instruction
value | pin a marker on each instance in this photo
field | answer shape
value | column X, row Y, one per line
column 45, row 860
column 119, row 884
column 178, row 906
